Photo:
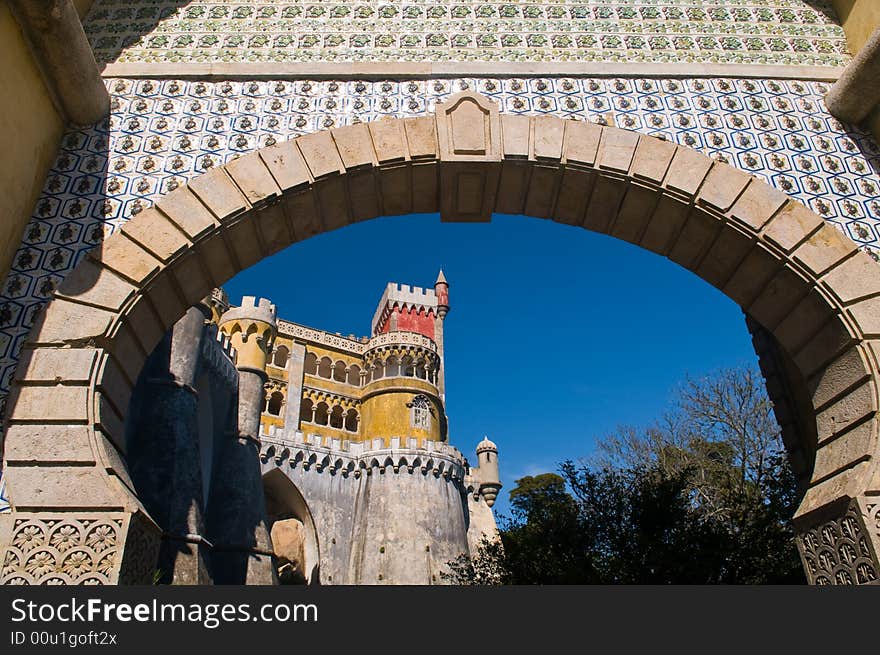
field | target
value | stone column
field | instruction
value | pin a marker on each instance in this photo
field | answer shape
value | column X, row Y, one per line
column 238, row 523
column 65, row 58
column 295, row 370
column 857, row 93
column 166, row 461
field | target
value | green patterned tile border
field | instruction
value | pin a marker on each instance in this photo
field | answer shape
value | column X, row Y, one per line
column 770, row 32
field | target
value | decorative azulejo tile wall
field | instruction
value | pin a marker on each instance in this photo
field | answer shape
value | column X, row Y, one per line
column 161, row 133
column 797, row 32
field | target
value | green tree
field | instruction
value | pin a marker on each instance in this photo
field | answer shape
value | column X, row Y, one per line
column 704, row 495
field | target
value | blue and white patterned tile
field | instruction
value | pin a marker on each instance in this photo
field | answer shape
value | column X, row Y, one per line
column 162, row 133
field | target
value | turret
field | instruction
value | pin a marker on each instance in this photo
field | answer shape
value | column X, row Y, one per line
column 487, row 472
column 218, row 302
column 242, row 534
column 252, row 329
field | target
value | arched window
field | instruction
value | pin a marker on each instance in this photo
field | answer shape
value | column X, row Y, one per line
column 421, row 412
column 378, row 369
column 311, row 364
column 420, row 369
column 339, row 371
column 336, row 418
column 305, row 412
column 351, row 420
column 354, row 375
column 275, row 401
column 392, row 368
column 322, row 414
column 325, row 368
column 281, row 355
column 406, row 367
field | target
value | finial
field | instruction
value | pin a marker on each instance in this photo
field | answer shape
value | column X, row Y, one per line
column 441, row 289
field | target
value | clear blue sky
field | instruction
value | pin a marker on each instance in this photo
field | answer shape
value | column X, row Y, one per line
column 555, row 335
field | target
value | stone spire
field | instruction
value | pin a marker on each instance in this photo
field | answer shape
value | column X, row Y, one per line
column 441, row 290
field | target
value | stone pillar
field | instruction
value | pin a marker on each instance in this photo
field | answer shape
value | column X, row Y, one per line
column 238, row 522
column 295, row 371
column 65, row 57
column 166, row 460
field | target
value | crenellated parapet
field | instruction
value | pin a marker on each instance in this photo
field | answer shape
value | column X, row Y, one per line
column 354, row 459
column 252, row 328
column 403, row 298
column 218, row 354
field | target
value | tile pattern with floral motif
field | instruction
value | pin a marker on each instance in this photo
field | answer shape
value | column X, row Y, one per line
column 785, row 32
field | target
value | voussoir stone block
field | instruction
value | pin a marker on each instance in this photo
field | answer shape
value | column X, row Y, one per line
column 61, row 487
column 515, row 132
column 791, row 225
column 125, row 257
column 838, row 377
column 687, row 171
column 355, row 146
column 56, row 365
column 186, row 211
column 757, row 205
column 154, row 232
column 695, row 239
column 127, row 352
column 725, row 255
column 635, row 212
column 287, row 166
column 804, row 321
column 723, row 186
column 51, row 403
column 421, row 137
column 824, row 249
column 549, row 134
column 389, row 141
column 142, row 319
column 824, row 346
column 844, row 451
column 63, row 321
column 192, row 280
column 846, row 483
column 581, row 144
column 252, row 176
column 856, row 278
column 54, row 444
column 616, row 149
column 320, row 154
column 867, row 315
column 652, row 158
column 750, row 277
column 852, row 408
column 92, row 284
column 218, row 193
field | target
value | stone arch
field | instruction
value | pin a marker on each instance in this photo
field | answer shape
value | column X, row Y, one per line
column 285, row 502
column 815, row 296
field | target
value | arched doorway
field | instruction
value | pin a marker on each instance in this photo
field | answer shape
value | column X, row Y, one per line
column 815, row 296
column 294, row 536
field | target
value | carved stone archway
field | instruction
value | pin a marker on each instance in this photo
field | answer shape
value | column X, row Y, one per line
column 796, row 276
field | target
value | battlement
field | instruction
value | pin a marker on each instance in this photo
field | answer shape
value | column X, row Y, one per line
column 325, row 454
column 220, row 354
column 406, row 298
column 252, row 309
